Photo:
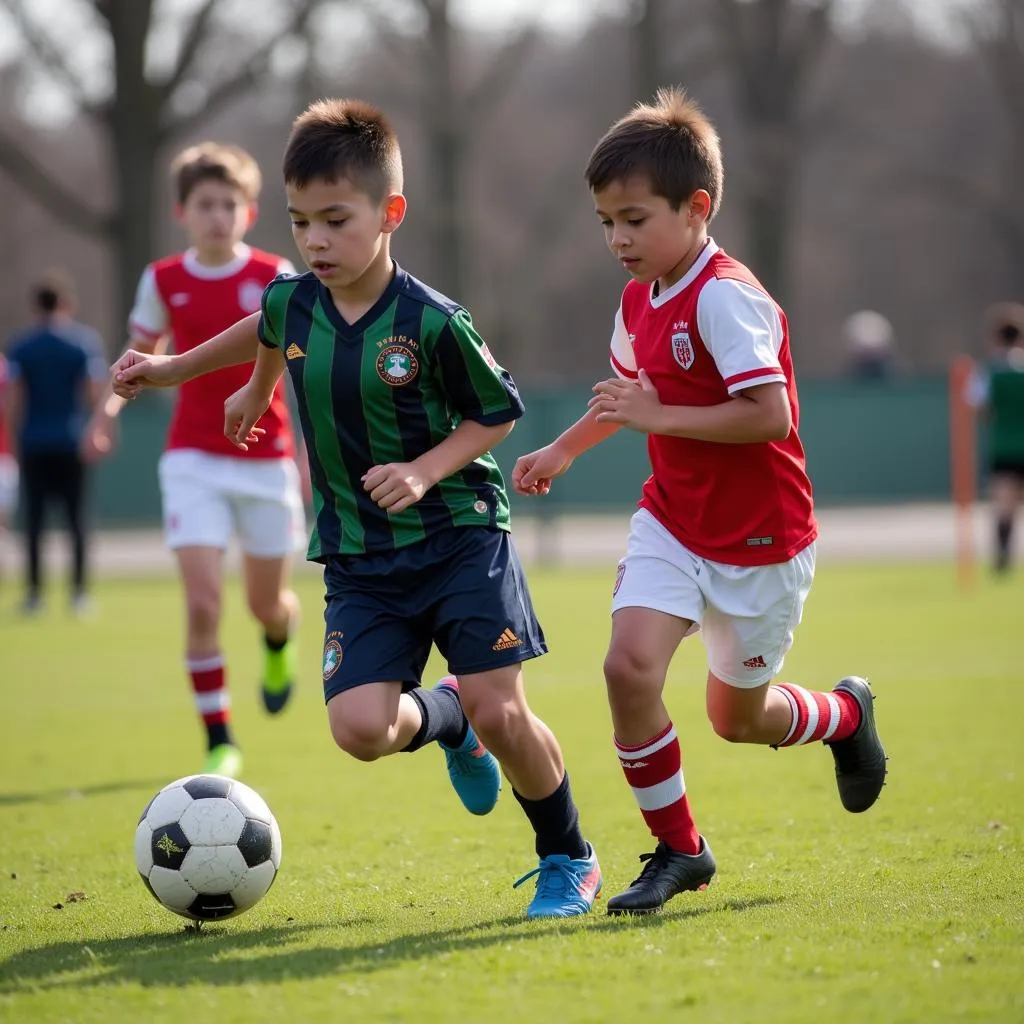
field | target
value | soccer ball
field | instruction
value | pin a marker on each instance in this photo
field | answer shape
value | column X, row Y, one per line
column 207, row 847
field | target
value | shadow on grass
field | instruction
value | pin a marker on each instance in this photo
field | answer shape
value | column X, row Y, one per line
column 52, row 796
column 221, row 955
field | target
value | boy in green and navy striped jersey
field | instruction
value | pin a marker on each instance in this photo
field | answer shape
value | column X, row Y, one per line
column 400, row 402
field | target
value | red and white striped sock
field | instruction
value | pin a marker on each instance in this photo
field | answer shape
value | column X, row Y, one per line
column 654, row 773
column 213, row 702
column 818, row 716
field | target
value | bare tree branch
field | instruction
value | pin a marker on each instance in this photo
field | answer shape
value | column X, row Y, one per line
column 504, row 66
column 35, row 179
column 248, row 74
column 47, row 53
column 194, row 38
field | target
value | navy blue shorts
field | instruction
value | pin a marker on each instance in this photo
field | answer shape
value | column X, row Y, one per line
column 463, row 589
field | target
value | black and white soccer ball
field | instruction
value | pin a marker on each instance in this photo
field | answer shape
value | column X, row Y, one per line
column 207, row 847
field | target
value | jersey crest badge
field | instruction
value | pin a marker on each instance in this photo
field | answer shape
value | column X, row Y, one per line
column 682, row 349
column 332, row 658
column 250, row 295
column 396, row 365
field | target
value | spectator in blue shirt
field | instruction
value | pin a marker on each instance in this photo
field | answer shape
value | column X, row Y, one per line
column 56, row 373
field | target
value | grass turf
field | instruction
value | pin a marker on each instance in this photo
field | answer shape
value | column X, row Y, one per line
column 395, row 905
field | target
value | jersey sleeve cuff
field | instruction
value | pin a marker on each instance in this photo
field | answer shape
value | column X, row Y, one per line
column 494, row 419
column 751, row 378
column 138, row 331
column 622, row 371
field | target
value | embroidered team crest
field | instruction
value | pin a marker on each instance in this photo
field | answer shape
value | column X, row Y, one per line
column 682, row 349
column 332, row 658
column 396, row 365
column 250, row 295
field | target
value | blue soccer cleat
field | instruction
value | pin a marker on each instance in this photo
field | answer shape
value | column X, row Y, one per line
column 565, row 887
column 473, row 770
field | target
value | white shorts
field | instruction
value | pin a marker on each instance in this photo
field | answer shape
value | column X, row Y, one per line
column 748, row 613
column 208, row 497
column 8, row 485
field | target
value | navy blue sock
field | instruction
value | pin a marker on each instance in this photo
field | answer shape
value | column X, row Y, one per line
column 556, row 821
column 443, row 717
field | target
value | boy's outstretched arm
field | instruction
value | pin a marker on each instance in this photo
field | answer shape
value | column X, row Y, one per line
column 534, row 472
column 136, row 370
column 397, row 485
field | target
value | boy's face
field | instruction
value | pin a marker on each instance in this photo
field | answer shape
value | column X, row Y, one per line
column 216, row 216
column 642, row 231
column 340, row 229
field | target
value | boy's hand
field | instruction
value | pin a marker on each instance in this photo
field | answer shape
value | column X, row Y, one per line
column 396, row 485
column 533, row 473
column 98, row 438
column 137, row 370
column 629, row 404
column 241, row 411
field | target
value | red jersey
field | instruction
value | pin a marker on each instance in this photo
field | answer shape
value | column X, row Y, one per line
column 192, row 302
column 712, row 334
column 5, row 441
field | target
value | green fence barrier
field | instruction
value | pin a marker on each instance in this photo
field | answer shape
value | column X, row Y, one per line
column 883, row 442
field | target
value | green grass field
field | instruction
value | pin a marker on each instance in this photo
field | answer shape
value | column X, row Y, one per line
column 394, row 905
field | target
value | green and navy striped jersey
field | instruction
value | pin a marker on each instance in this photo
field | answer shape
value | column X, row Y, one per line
column 385, row 389
column 1006, row 410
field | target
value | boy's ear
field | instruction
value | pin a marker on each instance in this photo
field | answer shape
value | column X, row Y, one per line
column 179, row 211
column 700, row 205
column 394, row 212
column 254, row 212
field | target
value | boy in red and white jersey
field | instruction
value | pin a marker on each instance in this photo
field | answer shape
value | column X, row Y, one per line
column 210, row 488
column 724, row 537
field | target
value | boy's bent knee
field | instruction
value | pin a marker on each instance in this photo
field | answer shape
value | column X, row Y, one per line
column 497, row 723
column 365, row 741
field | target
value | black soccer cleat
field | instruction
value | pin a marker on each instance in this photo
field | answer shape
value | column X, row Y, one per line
column 666, row 874
column 860, row 759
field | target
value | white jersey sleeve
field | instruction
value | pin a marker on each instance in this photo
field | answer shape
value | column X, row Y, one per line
column 148, row 318
column 742, row 331
column 622, row 358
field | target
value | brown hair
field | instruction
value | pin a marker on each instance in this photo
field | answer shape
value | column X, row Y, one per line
column 344, row 138
column 670, row 142
column 216, row 161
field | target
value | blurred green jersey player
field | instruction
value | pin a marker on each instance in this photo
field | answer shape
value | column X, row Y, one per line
column 998, row 388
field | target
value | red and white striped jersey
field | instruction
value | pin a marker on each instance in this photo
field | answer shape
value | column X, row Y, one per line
column 712, row 334
column 192, row 302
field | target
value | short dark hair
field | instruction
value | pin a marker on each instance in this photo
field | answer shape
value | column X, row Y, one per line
column 216, row 161
column 54, row 290
column 1005, row 322
column 344, row 138
column 670, row 142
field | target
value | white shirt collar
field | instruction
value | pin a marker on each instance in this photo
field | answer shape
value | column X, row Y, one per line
column 191, row 263
column 688, row 278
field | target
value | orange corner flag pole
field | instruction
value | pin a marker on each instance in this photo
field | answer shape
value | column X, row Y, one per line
column 963, row 467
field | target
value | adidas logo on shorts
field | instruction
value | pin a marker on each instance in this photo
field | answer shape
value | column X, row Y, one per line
column 506, row 641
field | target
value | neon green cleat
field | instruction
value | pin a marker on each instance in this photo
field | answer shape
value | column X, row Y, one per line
column 278, row 675
column 224, row 759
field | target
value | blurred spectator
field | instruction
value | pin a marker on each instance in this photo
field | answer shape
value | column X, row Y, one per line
column 8, row 471
column 56, row 373
column 998, row 387
column 869, row 340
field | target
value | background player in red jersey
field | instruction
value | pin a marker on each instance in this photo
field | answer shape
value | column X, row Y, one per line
column 724, row 538
column 210, row 488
